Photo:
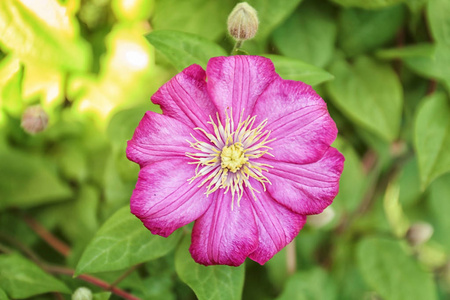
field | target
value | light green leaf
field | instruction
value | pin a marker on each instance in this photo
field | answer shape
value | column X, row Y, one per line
column 432, row 138
column 394, row 213
column 417, row 50
column 31, row 37
column 308, row 34
column 211, row 282
column 314, row 284
column 27, row 180
column 438, row 12
column 433, row 67
column 369, row 93
column 123, row 242
column 3, row 295
column 190, row 16
column 363, row 30
column 368, row 4
column 20, row 278
column 439, row 207
column 11, row 74
column 184, row 49
column 271, row 14
column 391, row 272
column 294, row 69
column 101, row 296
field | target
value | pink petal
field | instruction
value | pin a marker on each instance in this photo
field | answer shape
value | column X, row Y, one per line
column 298, row 119
column 237, row 82
column 185, row 98
column 224, row 235
column 277, row 226
column 164, row 200
column 159, row 137
column 305, row 188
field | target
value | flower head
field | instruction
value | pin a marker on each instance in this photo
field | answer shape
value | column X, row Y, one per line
column 240, row 151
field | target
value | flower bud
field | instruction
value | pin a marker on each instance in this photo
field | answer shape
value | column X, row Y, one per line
column 419, row 233
column 321, row 219
column 82, row 293
column 34, row 119
column 243, row 22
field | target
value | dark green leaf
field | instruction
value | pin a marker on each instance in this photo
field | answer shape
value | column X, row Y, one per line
column 123, row 242
column 362, row 30
column 27, row 180
column 184, row 49
column 294, row 69
column 3, row 295
column 370, row 94
column 211, row 282
column 309, row 35
column 20, row 278
column 432, row 138
column 391, row 272
column 409, row 183
column 23, row 32
column 314, row 284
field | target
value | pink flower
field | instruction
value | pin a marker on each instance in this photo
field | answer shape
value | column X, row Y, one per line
column 240, row 151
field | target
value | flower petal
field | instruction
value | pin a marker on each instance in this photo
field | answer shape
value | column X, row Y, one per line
column 224, row 235
column 185, row 98
column 158, row 137
column 237, row 82
column 309, row 188
column 277, row 226
column 164, row 200
column 298, row 120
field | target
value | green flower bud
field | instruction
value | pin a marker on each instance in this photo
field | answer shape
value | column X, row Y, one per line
column 82, row 293
column 34, row 119
column 243, row 22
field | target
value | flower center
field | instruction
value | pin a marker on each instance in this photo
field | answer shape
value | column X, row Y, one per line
column 233, row 158
column 230, row 157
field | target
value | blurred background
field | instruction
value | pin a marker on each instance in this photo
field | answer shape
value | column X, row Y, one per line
column 76, row 77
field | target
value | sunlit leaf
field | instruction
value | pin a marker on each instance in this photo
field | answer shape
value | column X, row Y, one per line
column 37, row 34
column 308, row 34
column 122, row 242
column 417, row 50
column 432, row 138
column 184, row 49
column 391, row 272
column 212, row 282
column 369, row 93
column 368, row 4
column 394, row 212
column 294, row 69
column 20, row 278
column 314, row 284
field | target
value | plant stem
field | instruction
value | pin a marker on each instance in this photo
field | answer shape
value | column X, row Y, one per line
column 124, row 275
column 236, row 47
column 291, row 258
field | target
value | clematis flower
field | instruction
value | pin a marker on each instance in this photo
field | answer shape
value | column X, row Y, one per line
column 240, row 151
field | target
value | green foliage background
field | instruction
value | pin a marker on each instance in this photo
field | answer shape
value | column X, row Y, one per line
column 382, row 66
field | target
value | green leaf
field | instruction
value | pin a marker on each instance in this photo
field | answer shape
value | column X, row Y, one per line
column 121, row 243
column 439, row 207
column 211, row 282
column 20, row 278
column 394, row 212
column 314, row 284
column 35, row 38
column 409, row 183
column 368, row 4
column 11, row 75
column 363, row 30
column 432, row 137
column 437, row 13
column 391, row 272
column 184, row 49
column 417, row 50
column 190, row 16
column 369, row 93
column 294, row 69
column 101, row 296
column 308, row 34
column 3, row 295
column 27, row 180
column 433, row 67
